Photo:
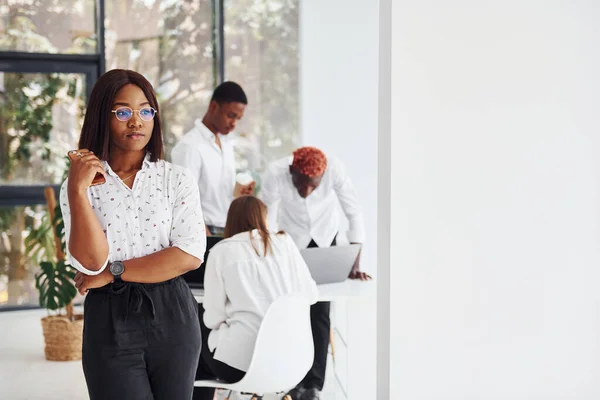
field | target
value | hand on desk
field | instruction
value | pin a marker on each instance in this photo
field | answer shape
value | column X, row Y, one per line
column 356, row 273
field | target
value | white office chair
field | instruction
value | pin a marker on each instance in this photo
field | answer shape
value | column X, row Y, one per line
column 283, row 353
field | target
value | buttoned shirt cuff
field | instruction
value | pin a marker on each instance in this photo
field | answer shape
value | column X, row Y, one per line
column 356, row 236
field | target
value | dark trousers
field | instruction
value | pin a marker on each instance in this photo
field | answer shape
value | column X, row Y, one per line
column 321, row 325
column 209, row 368
column 141, row 341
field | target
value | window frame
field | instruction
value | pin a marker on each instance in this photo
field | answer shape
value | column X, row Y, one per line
column 92, row 66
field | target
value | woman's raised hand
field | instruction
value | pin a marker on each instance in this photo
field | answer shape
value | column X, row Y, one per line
column 84, row 167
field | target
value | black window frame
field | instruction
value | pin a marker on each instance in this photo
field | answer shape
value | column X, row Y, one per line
column 16, row 62
column 92, row 66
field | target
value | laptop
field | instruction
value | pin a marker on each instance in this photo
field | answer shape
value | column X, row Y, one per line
column 195, row 278
column 330, row 264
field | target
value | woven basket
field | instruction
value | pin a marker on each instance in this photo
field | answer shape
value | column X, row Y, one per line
column 63, row 338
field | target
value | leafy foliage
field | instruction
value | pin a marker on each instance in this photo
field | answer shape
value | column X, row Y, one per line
column 59, row 224
column 7, row 217
column 55, row 284
column 28, row 117
column 39, row 243
column 54, row 280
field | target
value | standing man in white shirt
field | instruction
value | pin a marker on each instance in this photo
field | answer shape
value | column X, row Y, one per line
column 207, row 151
column 305, row 189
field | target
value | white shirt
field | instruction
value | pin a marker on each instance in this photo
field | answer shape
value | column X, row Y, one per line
column 212, row 167
column 161, row 210
column 241, row 285
column 317, row 216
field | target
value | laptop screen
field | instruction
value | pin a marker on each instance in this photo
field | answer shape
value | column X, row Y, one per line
column 330, row 264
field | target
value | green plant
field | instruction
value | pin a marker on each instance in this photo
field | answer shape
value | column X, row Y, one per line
column 39, row 243
column 54, row 281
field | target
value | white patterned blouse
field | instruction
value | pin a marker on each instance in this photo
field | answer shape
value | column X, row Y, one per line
column 162, row 209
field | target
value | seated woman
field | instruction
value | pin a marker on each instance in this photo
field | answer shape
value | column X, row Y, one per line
column 245, row 273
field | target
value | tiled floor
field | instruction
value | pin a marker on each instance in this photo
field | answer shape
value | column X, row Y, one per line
column 26, row 375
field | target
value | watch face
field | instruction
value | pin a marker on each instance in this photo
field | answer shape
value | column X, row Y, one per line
column 117, row 268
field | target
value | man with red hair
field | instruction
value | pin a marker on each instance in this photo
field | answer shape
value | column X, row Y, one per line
column 306, row 189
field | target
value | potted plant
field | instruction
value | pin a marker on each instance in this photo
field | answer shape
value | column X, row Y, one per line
column 62, row 331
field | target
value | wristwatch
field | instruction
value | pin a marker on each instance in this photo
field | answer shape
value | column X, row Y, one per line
column 116, row 269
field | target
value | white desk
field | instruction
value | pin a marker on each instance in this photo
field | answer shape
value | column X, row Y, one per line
column 327, row 292
column 339, row 294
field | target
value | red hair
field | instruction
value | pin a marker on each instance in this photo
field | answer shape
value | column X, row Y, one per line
column 310, row 161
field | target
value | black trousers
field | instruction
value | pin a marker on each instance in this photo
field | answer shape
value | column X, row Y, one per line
column 141, row 341
column 209, row 368
column 321, row 325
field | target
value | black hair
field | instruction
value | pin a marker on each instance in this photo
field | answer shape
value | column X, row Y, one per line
column 229, row 92
column 95, row 134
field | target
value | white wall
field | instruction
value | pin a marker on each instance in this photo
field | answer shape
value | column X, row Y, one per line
column 338, row 113
column 495, row 200
column 338, row 93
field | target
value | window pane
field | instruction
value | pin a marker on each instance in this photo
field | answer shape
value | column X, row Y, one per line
column 18, row 265
column 40, row 120
column 170, row 43
column 48, row 26
column 26, row 240
column 261, row 54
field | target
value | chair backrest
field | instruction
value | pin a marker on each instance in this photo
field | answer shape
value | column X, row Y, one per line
column 284, row 349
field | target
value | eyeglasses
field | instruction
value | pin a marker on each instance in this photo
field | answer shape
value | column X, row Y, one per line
column 125, row 113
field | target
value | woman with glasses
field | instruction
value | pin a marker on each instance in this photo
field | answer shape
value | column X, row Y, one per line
column 131, row 238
